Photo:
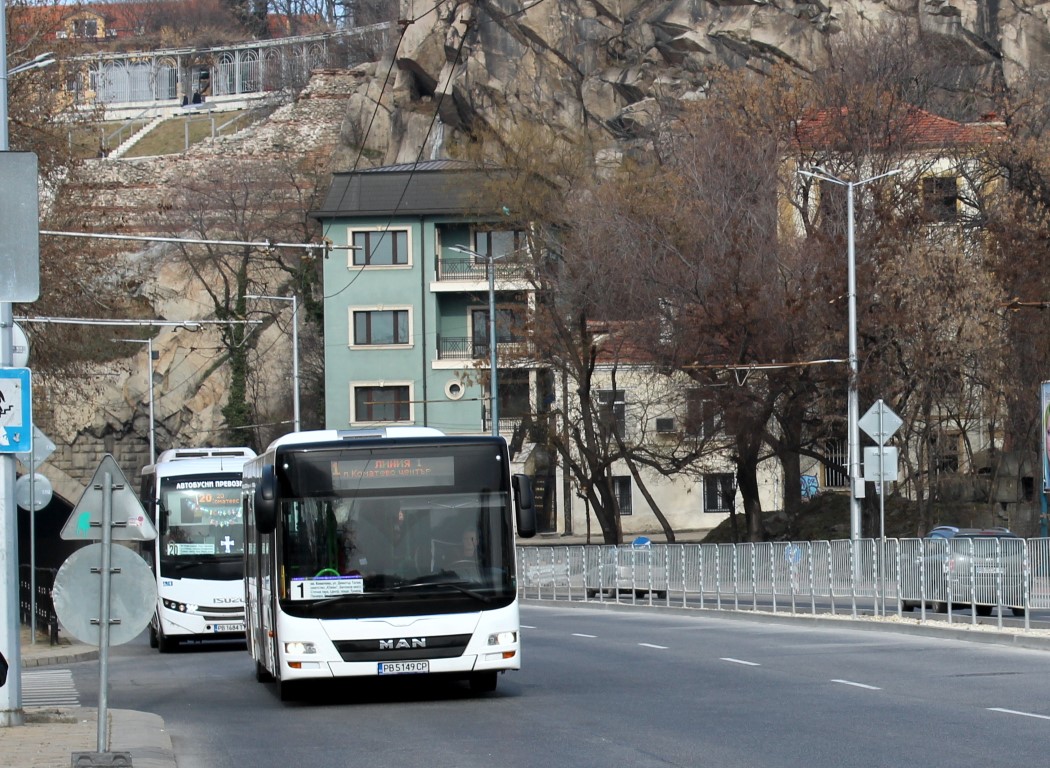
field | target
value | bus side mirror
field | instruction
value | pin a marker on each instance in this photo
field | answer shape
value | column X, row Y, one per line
column 160, row 514
column 524, row 506
column 265, row 506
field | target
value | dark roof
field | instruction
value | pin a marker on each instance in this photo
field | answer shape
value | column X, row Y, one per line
column 433, row 187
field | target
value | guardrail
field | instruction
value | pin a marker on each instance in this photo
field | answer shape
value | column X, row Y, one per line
column 985, row 576
column 46, row 618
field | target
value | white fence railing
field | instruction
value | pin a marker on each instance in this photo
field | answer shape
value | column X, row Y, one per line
column 984, row 575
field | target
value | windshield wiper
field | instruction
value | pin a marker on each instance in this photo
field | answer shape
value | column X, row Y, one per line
column 459, row 586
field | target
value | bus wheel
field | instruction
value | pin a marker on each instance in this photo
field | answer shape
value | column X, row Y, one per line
column 288, row 690
column 261, row 674
column 483, row 682
column 166, row 644
column 152, row 636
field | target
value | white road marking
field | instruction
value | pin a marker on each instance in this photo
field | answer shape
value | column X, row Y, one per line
column 580, row 634
column 650, row 645
column 741, row 661
column 49, row 688
column 526, row 626
column 857, row 685
column 1016, row 712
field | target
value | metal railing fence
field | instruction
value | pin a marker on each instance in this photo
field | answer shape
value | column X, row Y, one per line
column 984, row 575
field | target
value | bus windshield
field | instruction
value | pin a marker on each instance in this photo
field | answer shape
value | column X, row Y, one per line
column 204, row 520
column 337, row 548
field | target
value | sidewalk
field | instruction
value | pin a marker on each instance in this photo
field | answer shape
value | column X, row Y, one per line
column 50, row 736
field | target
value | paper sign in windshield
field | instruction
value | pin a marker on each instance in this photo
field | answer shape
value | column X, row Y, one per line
column 321, row 587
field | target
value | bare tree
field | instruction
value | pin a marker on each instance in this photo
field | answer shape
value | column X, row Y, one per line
column 251, row 202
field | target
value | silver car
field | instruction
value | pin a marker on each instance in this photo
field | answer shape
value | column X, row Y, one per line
column 973, row 567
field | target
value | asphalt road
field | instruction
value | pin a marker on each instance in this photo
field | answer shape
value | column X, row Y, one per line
column 619, row 688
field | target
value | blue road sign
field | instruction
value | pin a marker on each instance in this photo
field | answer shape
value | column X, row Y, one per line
column 16, row 411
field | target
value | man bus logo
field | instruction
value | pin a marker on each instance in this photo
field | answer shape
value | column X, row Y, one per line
column 402, row 644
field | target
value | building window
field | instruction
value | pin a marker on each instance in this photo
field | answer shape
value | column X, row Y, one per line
column 622, row 489
column 382, row 404
column 944, row 451
column 940, row 198
column 386, row 326
column 612, row 410
column 498, row 243
column 380, row 249
column 86, row 28
column 837, row 454
column 700, row 419
column 508, row 321
column 719, row 492
column 833, row 207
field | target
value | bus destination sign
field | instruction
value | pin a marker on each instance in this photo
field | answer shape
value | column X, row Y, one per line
column 391, row 472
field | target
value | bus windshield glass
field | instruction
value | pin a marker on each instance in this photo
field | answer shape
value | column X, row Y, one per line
column 204, row 520
column 371, row 545
column 390, row 525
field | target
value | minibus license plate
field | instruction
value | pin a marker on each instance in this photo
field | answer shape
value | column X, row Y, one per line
column 227, row 627
column 404, row 667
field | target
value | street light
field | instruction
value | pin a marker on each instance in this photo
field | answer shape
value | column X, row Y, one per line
column 152, row 424
column 38, row 62
column 295, row 349
column 490, row 269
column 853, row 407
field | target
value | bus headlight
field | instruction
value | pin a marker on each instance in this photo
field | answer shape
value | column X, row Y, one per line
column 174, row 606
column 298, row 648
column 503, row 638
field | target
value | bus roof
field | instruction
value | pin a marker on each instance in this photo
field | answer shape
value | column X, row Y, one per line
column 176, row 454
column 193, row 460
column 335, row 435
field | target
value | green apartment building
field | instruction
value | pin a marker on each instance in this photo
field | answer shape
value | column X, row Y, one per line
column 407, row 315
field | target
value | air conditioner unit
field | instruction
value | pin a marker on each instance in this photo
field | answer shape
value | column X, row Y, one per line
column 665, row 426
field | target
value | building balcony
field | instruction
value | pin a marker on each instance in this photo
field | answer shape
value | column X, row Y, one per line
column 514, row 275
column 465, row 348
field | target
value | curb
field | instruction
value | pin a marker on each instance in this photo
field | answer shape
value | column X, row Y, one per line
column 865, row 624
column 58, row 657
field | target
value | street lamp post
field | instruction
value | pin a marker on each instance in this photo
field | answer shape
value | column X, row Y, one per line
column 853, row 407
column 11, row 713
column 490, row 269
column 295, row 349
column 152, row 423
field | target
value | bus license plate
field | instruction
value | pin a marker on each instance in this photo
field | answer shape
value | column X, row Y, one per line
column 227, row 627
column 404, row 667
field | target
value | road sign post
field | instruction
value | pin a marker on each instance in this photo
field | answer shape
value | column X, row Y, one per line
column 43, row 447
column 16, row 416
column 108, row 510
column 880, row 423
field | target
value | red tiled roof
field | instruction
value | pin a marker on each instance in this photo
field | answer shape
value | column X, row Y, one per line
column 915, row 128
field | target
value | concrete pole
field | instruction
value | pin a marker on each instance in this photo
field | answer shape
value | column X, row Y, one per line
column 10, row 630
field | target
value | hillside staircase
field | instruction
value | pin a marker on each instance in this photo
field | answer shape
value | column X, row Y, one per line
column 134, row 139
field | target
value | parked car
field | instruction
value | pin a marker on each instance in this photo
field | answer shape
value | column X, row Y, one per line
column 973, row 566
column 630, row 568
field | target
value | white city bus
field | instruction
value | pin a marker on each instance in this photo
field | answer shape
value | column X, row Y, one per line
column 383, row 552
column 194, row 498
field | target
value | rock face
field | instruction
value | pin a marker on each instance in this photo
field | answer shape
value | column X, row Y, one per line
column 610, row 68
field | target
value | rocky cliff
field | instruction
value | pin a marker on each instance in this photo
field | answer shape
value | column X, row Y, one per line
column 610, row 68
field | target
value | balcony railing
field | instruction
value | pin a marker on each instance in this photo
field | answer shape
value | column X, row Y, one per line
column 467, row 269
column 465, row 348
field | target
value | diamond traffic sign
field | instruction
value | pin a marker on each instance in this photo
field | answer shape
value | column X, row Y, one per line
column 43, row 447
column 129, row 519
column 16, row 411
column 879, row 423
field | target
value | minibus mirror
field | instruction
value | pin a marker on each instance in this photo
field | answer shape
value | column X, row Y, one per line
column 524, row 506
column 265, row 505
